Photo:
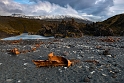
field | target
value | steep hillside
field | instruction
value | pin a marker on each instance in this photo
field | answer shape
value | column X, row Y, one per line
column 115, row 21
column 113, row 26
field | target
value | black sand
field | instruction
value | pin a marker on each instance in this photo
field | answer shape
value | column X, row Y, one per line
column 20, row 68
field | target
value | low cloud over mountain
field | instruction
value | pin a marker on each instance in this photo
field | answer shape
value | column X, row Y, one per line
column 91, row 9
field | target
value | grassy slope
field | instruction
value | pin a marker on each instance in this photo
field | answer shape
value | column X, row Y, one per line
column 115, row 22
column 13, row 26
column 19, row 23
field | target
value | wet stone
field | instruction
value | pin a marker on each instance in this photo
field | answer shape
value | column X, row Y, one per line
column 65, row 53
column 71, row 46
column 122, row 47
column 9, row 80
column 115, row 64
column 1, row 63
column 86, row 79
column 114, row 76
column 19, row 81
column 98, row 64
column 92, row 67
column 89, row 76
column 116, row 71
column 106, row 52
column 115, row 82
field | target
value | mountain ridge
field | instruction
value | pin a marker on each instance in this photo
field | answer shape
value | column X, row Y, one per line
column 55, row 17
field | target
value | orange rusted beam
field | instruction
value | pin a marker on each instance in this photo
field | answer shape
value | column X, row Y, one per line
column 47, row 63
column 53, row 61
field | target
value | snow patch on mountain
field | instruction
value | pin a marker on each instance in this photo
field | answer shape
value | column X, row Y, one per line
column 50, row 16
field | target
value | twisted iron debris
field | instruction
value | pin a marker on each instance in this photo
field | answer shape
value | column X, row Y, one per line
column 55, row 61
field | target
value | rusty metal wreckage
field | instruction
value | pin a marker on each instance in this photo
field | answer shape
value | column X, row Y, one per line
column 55, row 61
column 52, row 61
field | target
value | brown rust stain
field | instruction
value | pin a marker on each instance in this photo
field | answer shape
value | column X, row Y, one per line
column 91, row 61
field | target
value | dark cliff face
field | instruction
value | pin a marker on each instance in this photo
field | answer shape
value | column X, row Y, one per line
column 62, row 29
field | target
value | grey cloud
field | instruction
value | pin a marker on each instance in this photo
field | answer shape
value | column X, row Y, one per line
column 85, row 6
column 15, row 11
column 103, row 7
column 96, row 8
column 9, row 8
column 76, row 4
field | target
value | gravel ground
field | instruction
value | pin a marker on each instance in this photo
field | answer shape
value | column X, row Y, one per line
column 100, row 61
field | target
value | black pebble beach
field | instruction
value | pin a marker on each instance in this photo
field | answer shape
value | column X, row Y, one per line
column 100, row 61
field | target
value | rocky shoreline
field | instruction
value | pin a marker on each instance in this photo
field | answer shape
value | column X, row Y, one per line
column 101, row 60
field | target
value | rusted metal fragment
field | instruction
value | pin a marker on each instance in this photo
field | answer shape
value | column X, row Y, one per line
column 59, row 59
column 14, row 51
column 47, row 63
column 16, row 41
column 54, row 60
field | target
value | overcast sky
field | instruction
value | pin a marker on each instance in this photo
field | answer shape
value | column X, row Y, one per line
column 96, row 10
